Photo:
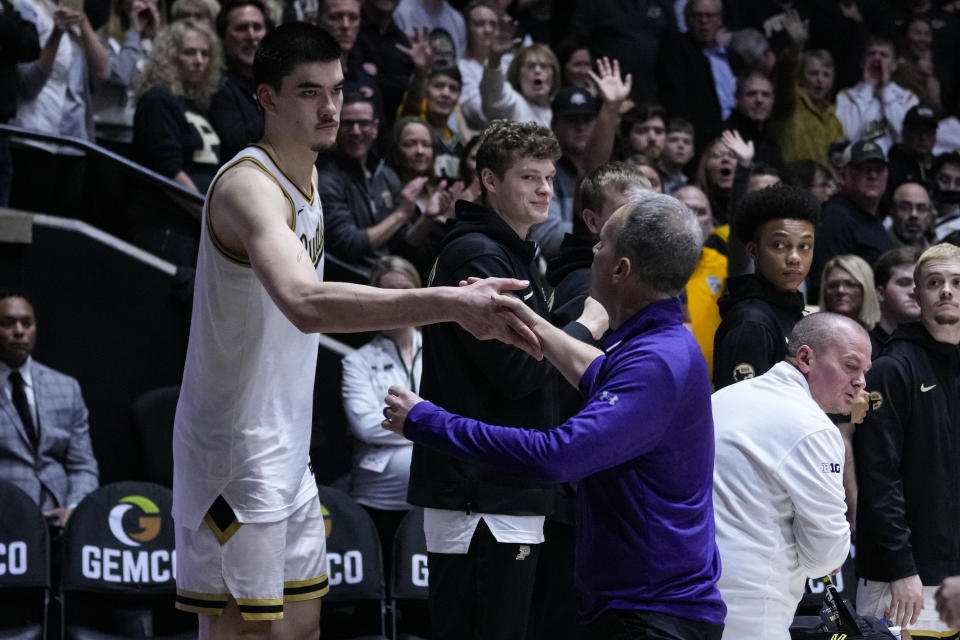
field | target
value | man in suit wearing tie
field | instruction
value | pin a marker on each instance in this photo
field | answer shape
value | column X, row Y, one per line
column 45, row 444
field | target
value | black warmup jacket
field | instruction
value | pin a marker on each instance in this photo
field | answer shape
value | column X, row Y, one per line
column 569, row 275
column 752, row 337
column 486, row 380
column 907, row 452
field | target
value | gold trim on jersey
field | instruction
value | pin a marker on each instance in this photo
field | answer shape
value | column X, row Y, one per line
column 313, row 187
column 213, row 237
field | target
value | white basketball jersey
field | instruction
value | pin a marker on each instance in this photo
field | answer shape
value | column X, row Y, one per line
column 243, row 421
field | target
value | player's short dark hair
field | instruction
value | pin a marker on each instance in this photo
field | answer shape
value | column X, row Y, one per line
column 288, row 46
column 221, row 23
column 899, row 257
column 504, row 142
column 776, row 202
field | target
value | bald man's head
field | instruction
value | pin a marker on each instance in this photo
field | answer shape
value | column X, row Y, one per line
column 833, row 354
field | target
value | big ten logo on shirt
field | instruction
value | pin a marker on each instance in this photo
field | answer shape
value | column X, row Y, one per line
column 342, row 567
column 209, row 153
column 133, row 522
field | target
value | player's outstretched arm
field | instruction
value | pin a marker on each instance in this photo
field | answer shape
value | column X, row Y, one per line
column 570, row 356
column 250, row 217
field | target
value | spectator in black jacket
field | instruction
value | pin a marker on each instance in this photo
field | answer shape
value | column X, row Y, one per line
column 751, row 117
column 626, row 31
column 483, row 529
column 381, row 57
column 850, row 218
column 366, row 207
column 912, row 159
column 777, row 225
column 234, row 112
column 906, row 450
column 18, row 43
column 696, row 75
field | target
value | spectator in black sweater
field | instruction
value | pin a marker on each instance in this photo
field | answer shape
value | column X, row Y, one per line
column 751, row 117
column 172, row 136
column 234, row 112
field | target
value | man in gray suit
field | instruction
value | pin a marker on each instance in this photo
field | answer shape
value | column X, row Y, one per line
column 44, row 437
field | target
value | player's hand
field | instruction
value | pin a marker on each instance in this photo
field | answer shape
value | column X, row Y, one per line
column 479, row 312
column 399, row 402
column 906, row 601
column 948, row 601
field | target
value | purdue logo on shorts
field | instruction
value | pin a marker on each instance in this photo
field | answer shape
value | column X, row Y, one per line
column 743, row 371
column 134, row 520
column 876, row 400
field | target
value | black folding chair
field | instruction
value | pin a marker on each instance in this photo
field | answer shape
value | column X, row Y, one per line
column 410, row 579
column 24, row 566
column 354, row 569
column 118, row 566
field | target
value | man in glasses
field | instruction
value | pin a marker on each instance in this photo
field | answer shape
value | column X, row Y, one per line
column 364, row 203
column 911, row 216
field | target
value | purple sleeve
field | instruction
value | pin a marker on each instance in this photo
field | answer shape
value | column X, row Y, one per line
column 621, row 420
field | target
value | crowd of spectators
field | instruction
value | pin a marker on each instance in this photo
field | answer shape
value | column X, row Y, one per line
column 854, row 105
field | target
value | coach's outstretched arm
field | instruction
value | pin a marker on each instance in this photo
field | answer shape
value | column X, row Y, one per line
column 570, row 356
column 247, row 220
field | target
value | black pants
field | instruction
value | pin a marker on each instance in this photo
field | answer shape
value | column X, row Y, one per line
column 622, row 624
column 484, row 594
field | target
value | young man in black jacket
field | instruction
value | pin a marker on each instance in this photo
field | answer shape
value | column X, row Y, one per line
column 483, row 529
column 759, row 310
column 907, row 450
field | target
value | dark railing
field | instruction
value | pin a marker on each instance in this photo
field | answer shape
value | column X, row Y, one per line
column 109, row 181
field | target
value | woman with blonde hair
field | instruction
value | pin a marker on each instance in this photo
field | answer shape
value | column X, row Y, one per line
column 848, row 289
column 171, row 134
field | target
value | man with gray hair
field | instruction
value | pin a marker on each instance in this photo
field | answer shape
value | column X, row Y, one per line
column 778, row 479
column 641, row 447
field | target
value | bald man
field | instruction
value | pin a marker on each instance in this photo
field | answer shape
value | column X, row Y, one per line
column 778, row 475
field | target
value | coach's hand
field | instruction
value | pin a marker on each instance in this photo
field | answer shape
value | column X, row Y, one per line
column 906, row 601
column 399, row 402
column 479, row 313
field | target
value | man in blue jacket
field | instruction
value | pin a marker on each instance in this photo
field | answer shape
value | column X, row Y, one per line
column 641, row 448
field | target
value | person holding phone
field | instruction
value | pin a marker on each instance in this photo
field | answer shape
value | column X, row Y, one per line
column 54, row 92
